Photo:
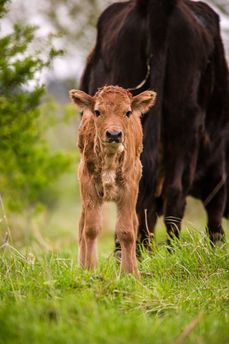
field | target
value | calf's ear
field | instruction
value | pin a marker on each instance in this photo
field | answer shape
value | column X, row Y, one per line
column 82, row 99
column 144, row 101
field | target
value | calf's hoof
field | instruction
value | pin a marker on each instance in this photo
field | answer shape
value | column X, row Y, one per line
column 134, row 273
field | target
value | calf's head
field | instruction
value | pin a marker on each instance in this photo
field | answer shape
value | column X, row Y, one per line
column 112, row 108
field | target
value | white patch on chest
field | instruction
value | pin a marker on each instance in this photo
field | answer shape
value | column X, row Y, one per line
column 110, row 189
column 108, row 177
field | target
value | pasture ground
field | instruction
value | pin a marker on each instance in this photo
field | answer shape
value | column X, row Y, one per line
column 180, row 298
column 46, row 298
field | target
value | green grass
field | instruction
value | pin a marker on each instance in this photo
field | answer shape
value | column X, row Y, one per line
column 180, row 298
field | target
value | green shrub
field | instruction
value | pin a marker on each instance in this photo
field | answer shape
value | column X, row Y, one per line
column 28, row 168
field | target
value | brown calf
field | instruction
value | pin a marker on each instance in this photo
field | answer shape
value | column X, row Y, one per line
column 110, row 142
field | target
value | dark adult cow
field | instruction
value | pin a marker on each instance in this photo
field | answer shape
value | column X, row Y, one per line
column 173, row 47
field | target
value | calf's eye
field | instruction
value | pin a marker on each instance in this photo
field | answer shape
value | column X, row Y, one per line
column 97, row 113
column 128, row 113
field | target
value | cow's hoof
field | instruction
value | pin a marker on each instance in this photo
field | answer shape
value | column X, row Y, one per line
column 220, row 244
column 217, row 239
column 144, row 247
column 172, row 245
column 117, row 255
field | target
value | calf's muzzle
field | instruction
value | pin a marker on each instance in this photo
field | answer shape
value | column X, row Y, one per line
column 114, row 136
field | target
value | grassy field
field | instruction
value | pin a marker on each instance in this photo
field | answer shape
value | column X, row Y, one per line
column 180, row 298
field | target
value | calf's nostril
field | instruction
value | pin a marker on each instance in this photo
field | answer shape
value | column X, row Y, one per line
column 108, row 134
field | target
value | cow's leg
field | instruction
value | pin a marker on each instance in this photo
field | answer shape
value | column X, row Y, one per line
column 182, row 135
column 126, row 235
column 92, row 226
column 147, row 217
column 179, row 178
column 214, row 199
column 175, row 201
column 215, row 210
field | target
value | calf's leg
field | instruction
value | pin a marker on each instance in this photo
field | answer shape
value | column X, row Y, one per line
column 91, row 229
column 82, row 244
column 117, row 242
column 126, row 234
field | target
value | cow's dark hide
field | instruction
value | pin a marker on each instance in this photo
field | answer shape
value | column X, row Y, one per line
column 185, row 133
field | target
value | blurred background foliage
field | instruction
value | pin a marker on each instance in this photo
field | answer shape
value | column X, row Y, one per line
column 43, row 51
column 29, row 166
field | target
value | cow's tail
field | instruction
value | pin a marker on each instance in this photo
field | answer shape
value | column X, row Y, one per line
column 159, row 13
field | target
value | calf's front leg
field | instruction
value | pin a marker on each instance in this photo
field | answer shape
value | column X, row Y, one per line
column 126, row 235
column 90, row 231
